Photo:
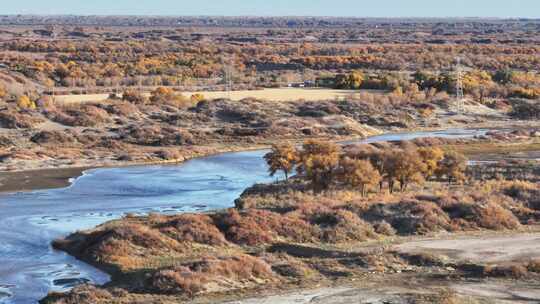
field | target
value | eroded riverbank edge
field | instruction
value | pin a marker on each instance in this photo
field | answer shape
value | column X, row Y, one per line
column 61, row 177
column 56, row 178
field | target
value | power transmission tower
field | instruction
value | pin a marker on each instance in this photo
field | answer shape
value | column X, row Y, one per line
column 460, row 97
column 227, row 77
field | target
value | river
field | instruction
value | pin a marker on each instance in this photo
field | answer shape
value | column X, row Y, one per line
column 30, row 268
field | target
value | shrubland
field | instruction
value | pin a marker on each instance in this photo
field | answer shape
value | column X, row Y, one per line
column 327, row 222
column 291, row 235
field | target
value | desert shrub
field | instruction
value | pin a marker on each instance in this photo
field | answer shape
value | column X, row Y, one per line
column 79, row 115
column 492, row 216
column 534, row 266
column 510, row 271
column 410, row 217
column 6, row 142
column 526, row 193
column 167, row 96
column 154, row 135
column 193, row 228
column 342, row 226
column 423, row 259
column 115, row 243
column 317, row 109
column 133, row 96
column 122, row 109
column 18, row 119
column 169, row 154
column 178, row 280
column 278, row 196
column 255, row 227
column 53, row 138
column 526, row 109
column 384, row 228
column 84, row 294
column 289, row 267
column 194, row 278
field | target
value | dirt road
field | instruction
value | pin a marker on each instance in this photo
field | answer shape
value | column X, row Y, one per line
column 485, row 250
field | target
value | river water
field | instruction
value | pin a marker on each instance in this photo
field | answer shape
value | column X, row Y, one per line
column 30, row 268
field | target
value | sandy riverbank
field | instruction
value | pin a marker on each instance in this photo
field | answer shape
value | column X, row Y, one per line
column 38, row 179
column 52, row 178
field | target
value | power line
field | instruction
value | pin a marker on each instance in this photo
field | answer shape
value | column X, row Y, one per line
column 460, row 96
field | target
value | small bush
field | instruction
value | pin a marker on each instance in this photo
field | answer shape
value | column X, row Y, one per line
column 196, row 277
column 53, row 138
column 384, row 228
column 534, row 266
column 193, row 228
column 512, row 271
column 84, row 294
column 79, row 115
column 135, row 97
column 256, row 227
column 492, row 216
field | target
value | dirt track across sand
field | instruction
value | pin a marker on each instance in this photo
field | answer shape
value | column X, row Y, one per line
column 338, row 295
column 488, row 249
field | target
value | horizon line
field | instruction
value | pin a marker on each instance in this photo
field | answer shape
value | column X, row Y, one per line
column 268, row 16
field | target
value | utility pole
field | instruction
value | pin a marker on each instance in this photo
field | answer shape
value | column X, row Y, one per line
column 460, row 97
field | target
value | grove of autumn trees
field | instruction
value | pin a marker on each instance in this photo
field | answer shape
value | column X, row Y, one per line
column 477, row 83
column 324, row 164
column 106, row 58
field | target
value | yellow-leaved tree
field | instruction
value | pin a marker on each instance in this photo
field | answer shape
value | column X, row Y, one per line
column 431, row 157
column 24, row 102
column 453, row 167
column 359, row 174
column 405, row 167
column 282, row 157
column 318, row 162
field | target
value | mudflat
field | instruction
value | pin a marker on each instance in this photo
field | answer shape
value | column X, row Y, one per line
column 38, row 179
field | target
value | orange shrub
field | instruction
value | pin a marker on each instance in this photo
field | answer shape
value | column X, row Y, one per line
column 193, row 228
column 193, row 278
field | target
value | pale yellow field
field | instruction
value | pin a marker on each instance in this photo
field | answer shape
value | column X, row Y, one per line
column 281, row 94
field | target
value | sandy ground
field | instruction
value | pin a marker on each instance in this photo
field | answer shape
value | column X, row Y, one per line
column 280, row 94
column 490, row 292
column 487, row 249
column 501, row 292
column 337, row 295
column 38, row 179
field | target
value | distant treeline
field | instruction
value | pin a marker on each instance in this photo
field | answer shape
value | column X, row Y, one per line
column 281, row 22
